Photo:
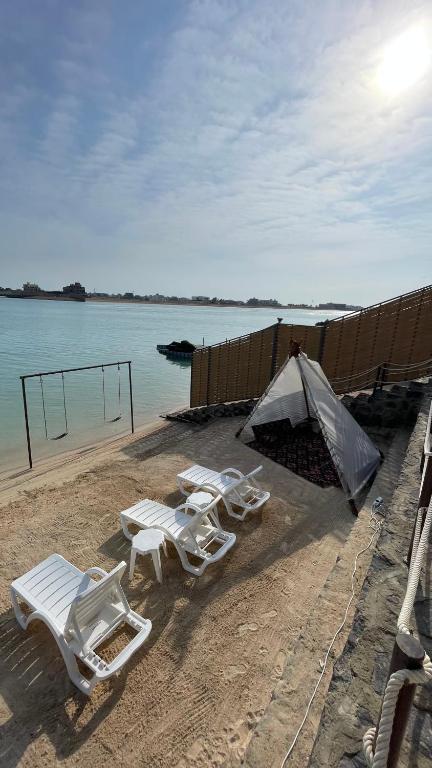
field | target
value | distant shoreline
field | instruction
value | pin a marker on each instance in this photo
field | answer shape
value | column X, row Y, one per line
column 42, row 297
column 112, row 300
column 121, row 300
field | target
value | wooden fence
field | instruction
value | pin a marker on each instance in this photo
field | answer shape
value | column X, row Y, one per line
column 391, row 341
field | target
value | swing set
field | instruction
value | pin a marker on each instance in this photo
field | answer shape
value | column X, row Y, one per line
column 107, row 418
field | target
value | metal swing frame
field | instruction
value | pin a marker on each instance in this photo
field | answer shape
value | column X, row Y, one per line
column 62, row 372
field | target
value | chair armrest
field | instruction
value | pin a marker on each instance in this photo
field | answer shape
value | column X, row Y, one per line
column 95, row 571
column 202, row 511
column 255, row 471
column 232, row 471
column 193, row 518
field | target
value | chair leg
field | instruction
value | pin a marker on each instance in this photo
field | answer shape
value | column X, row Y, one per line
column 132, row 562
column 187, row 565
column 231, row 512
column 182, row 488
column 84, row 684
column 126, row 530
column 21, row 618
column 157, row 564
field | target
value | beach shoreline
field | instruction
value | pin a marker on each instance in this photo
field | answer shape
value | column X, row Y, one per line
column 70, row 462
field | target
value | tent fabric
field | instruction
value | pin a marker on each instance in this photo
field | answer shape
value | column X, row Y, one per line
column 301, row 389
column 284, row 399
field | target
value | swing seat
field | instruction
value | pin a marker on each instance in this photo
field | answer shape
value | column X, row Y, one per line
column 59, row 437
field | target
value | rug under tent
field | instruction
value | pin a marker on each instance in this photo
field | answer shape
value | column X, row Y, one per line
column 303, row 450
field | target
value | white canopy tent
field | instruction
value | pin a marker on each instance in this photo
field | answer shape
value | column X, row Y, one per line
column 300, row 390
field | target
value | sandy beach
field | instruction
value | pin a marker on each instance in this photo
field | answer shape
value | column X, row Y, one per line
column 196, row 691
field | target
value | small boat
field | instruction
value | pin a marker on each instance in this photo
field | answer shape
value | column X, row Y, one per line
column 177, row 350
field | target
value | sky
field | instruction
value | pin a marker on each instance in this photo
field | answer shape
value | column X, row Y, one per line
column 231, row 148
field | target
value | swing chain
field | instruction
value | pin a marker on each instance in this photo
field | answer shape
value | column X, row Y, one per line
column 44, row 410
column 119, row 416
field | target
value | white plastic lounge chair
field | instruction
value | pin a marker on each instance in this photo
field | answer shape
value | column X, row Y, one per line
column 232, row 485
column 81, row 613
column 193, row 529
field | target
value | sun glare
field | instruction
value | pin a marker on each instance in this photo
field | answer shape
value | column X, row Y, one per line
column 404, row 61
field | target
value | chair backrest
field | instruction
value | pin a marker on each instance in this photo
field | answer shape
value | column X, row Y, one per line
column 89, row 605
column 201, row 513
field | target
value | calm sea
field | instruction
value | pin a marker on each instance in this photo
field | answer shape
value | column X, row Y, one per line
column 49, row 335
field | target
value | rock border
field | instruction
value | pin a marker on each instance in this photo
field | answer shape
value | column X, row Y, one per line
column 359, row 677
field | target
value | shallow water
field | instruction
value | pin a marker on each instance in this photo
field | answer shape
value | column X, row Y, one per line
column 49, row 335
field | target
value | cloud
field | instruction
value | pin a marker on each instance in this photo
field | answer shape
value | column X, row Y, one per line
column 220, row 139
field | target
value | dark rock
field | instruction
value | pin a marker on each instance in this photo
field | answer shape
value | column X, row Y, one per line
column 397, row 389
column 356, row 761
column 414, row 394
column 361, row 673
column 391, row 419
column 423, row 612
column 380, row 672
column 416, row 386
column 379, row 394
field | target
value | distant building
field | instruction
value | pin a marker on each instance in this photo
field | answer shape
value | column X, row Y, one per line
column 262, row 303
column 334, row 305
column 75, row 288
column 158, row 297
column 31, row 288
column 128, row 295
column 200, row 298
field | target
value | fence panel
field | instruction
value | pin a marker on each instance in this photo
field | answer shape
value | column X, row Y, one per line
column 397, row 332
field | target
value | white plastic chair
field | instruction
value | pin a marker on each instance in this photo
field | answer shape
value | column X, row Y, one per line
column 233, row 486
column 81, row 613
column 193, row 529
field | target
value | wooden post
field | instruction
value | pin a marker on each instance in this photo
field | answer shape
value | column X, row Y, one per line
column 322, row 342
column 208, row 375
column 383, row 375
column 275, row 347
column 407, row 654
column 377, row 380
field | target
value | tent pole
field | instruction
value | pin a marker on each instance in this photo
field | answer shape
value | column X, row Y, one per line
column 304, row 388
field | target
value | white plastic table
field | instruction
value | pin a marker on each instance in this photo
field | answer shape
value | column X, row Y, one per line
column 200, row 498
column 147, row 543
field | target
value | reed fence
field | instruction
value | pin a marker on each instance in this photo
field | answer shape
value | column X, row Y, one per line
column 384, row 343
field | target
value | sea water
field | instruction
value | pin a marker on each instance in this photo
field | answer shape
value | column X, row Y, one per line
column 38, row 335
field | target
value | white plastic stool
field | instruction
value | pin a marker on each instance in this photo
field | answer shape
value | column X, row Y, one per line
column 147, row 543
column 200, row 498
